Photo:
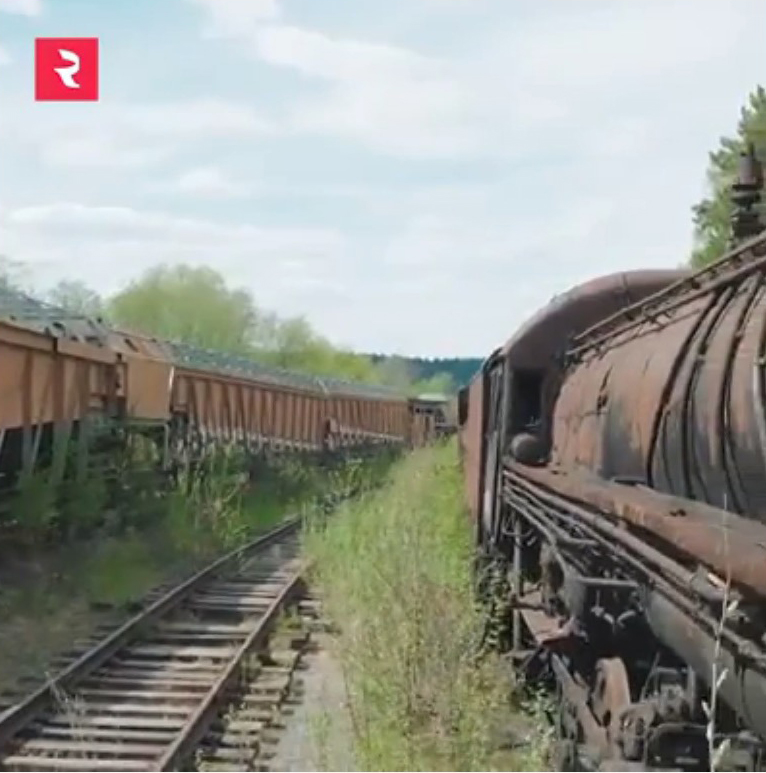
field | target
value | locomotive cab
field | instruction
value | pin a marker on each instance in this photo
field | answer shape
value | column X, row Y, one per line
column 513, row 397
column 524, row 438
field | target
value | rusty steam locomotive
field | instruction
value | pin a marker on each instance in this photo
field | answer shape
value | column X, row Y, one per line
column 615, row 460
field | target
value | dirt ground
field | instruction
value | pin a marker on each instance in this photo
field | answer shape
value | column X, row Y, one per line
column 318, row 733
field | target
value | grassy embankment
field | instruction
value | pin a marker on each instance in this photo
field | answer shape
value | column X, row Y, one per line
column 53, row 594
column 394, row 570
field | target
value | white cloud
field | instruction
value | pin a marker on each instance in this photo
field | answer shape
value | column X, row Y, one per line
column 540, row 81
column 209, row 181
column 457, row 165
column 22, row 7
column 388, row 97
column 197, row 118
column 234, row 16
column 98, row 221
column 612, row 45
column 129, row 134
column 97, row 149
column 449, row 239
column 108, row 245
column 5, row 57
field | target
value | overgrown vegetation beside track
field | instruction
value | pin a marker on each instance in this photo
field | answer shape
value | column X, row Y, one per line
column 50, row 596
column 394, row 569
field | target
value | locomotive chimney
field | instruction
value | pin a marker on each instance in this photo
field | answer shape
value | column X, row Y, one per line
column 746, row 197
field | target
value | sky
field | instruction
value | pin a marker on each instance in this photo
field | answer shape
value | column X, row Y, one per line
column 413, row 176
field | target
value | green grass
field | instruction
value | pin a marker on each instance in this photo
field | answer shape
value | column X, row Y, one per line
column 197, row 521
column 394, row 572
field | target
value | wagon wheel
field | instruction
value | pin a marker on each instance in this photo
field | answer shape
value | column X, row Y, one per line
column 610, row 696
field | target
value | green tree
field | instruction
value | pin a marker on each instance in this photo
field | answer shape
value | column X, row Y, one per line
column 11, row 273
column 188, row 304
column 712, row 215
column 195, row 305
column 395, row 371
column 355, row 367
column 439, row 383
column 77, row 298
column 293, row 344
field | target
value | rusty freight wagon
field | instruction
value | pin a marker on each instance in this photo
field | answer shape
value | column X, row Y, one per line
column 184, row 398
column 49, row 388
column 225, row 397
column 63, row 386
column 615, row 463
column 435, row 410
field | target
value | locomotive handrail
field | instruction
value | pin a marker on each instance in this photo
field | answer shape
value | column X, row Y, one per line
column 664, row 301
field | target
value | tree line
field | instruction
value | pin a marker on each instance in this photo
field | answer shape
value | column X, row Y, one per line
column 712, row 215
column 196, row 305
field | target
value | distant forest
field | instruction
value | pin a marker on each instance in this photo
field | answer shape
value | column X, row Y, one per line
column 422, row 369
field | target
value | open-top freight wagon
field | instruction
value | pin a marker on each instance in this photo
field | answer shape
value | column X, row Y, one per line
column 615, row 459
column 69, row 382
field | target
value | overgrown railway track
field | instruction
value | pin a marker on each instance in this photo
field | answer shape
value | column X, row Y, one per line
column 152, row 695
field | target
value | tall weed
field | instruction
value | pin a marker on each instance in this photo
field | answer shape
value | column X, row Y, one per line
column 395, row 572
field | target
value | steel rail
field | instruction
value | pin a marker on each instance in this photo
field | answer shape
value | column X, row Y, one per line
column 196, row 727
column 19, row 716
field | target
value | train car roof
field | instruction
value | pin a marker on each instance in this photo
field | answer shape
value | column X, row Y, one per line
column 52, row 320
column 548, row 331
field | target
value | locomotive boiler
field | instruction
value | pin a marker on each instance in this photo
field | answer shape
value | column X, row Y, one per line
column 614, row 452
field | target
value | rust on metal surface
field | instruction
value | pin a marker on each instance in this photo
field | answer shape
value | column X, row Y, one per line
column 733, row 266
column 471, row 440
column 544, row 334
column 675, row 401
column 44, row 379
column 727, row 544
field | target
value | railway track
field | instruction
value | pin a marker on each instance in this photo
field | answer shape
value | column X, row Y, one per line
column 184, row 677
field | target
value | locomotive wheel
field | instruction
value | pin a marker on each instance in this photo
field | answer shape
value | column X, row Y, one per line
column 611, row 694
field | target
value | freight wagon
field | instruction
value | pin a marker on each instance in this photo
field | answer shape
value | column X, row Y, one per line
column 68, row 380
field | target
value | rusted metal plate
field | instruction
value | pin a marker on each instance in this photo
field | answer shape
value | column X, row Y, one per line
column 738, row 264
column 46, row 378
column 729, row 545
column 606, row 411
column 676, row 400
column 42, row 381
column 471, row 439
column 229, row 408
